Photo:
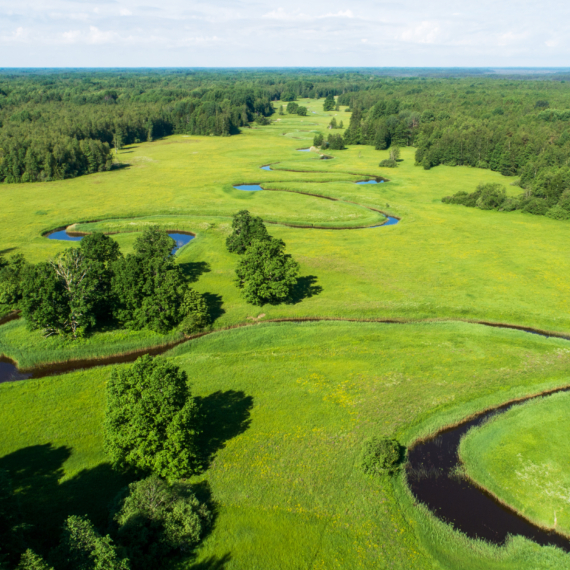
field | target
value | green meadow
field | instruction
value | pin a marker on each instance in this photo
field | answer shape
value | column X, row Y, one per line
column 522, row 458
column 287, row 405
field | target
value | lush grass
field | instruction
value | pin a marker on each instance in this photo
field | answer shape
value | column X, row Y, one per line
column 440, row 261
column 287, row 407
column 522, row 457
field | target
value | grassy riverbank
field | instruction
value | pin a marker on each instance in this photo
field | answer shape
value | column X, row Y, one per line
column 522, row 458
column 287, row 408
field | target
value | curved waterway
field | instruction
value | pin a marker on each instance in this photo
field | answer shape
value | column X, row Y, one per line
column 249, row 187
column 180, row 238
column 373, row 181
column 431, row 469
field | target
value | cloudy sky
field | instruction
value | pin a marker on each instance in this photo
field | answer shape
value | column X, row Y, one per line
column 246, row 33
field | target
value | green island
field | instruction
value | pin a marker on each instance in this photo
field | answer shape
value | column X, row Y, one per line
column 398, row 311
column 522, row 458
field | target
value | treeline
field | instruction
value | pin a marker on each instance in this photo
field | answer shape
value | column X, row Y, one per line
column 94, row 284
column 65, row 124
column 515, row 127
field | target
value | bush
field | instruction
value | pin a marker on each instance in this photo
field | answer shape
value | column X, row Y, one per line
column 491, row 196
column 388, row 163
column 536, row 206
column 302, row 111
column 196, row 312
column 154, row 519
column 380, row 456
column 151, row 420
column 265, row 273
column 510, row 204
column 558, row 213
column 329, row 103
column 246, row 229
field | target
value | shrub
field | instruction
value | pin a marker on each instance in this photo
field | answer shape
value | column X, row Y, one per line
column 380, row 456
column 564, row 201
column 558, row 213
column 536, row 206
column 510, row 204
column 388, row 163
column 302, row 111
column 329, row 103
column 292, row 108
column 246, row 229
column 265, row 273
column 335, row 142
column 151, row 420
column 196, row 313
column 491, row 196
column 154, row 519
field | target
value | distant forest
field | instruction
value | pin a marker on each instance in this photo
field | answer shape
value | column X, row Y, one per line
column 62, row 124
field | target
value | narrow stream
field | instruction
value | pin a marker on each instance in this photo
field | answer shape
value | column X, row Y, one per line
column 454, row 500
column 181, row 238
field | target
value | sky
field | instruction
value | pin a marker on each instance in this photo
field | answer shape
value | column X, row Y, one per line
column 248, row 33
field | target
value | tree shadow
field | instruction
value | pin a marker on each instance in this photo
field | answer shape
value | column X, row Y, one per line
column 212, row 563
column 214, row 303
column 7, row 250
column 46, row 501
column 226, row 415
column 192, row 270
column 305, row 288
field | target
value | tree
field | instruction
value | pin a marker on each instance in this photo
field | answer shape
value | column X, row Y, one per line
column 11, row 280
column 281, row 112
column 265, row 273
column 155, row 519
column 292, row 108
column 335, row 142
column 44, row 300
column 302, row 111
column 318, row 140
column 333, row 123
column 154, row 243
column 32, row 561
column 329, row 103
column 195, row 309
column 99, row 247
column 151, row 420
column 150, row 288
column 83, row 548
column 246, row 228
column 341, row 125
column 394, row 153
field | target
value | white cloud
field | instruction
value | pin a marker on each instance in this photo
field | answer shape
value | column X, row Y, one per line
column 424, row 33
column 125, row 12
column 339, row 14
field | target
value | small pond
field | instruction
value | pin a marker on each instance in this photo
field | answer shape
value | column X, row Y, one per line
column 249, row 187
column 304, row 149
column 181, row 239
column 9, row 372
column 266, row 167
column 373, row 181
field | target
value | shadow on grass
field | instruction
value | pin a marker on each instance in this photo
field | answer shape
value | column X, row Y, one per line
column 305, row 288
column 36, row 472
column 212, row 563
column 194, row 269
column 8, row 250
column 226, row 415
column 214, row 303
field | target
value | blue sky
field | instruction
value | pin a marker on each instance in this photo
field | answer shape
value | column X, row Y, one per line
column 247, row 33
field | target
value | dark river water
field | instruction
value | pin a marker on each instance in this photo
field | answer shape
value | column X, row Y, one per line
column 430, row 472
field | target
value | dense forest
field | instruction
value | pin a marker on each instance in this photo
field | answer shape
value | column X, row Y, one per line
column 56, row 124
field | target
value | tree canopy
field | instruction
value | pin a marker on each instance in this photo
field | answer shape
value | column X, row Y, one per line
column 151, row 421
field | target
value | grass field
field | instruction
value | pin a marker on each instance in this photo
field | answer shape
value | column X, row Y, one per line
column 287, row 408
column 522, row 458
column 288, row 405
